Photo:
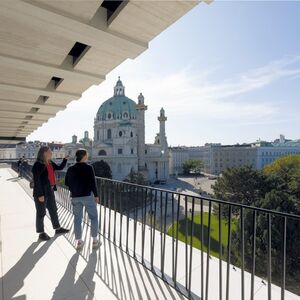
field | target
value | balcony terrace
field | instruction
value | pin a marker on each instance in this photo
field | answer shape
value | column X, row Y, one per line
column 137, row 259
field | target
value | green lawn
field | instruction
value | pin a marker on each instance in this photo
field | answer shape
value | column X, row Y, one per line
column 214, row 232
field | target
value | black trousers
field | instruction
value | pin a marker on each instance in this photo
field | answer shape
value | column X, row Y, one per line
column 50, row 204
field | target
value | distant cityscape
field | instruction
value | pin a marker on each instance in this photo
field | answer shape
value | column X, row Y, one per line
column 215, row 156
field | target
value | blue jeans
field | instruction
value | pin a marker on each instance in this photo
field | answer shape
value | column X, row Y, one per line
column 90, row 205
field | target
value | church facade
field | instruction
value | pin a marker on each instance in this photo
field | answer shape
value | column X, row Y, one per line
column 119, row 138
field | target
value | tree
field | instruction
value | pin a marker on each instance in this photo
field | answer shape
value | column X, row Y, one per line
column 274, row 188
column 102, row 169
column 242, row 185
column 192, row 165
column 135, row 177
column 288, row 169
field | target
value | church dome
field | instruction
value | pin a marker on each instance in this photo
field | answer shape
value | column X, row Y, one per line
column 118, row 107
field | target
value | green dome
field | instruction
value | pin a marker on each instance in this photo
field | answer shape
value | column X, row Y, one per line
column 117, row 108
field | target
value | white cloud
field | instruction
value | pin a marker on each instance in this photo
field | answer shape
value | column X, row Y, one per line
column 186, row 92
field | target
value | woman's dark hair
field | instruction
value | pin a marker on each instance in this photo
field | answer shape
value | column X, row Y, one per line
column 80, row 153
column 41, row 154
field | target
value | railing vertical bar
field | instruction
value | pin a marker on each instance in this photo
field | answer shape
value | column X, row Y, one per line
column 220, row 251
column 135, row 221
column 186, row 241
column 153, row 229
column 110, row 192
column 161, row 231
column 242, row 253
column 144, row 208
column 116, row 188
column 105, row 204
column 202, row 249
column 128, row 194
column 191, row 246
column 283, row 258
column 164, row 233
column 253, row 254
column 100, row 183
column 121, row 213
column 208, row 251
column 176, row 246
column 173, row 256
column 269, row 257
column 228, row 253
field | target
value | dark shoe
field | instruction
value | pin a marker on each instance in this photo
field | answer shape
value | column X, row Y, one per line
column 44, row 236
column 61, row 230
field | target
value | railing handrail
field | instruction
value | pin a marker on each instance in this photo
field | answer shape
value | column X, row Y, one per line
column 239, row 205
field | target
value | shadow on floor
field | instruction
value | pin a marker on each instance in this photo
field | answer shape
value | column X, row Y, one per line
column 13, row 280
column 71, row 286
column 126, row 278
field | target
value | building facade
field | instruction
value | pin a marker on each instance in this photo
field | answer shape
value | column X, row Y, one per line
column 119, row 138
column 217, row 157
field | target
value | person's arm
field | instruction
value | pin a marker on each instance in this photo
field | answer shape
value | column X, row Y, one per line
column 38, row 187
column 59, row 167
column 93, row 181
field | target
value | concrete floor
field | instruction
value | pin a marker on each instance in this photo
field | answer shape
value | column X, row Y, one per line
column 53, row 270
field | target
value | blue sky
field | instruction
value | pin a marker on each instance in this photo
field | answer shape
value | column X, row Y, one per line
column 226, row 72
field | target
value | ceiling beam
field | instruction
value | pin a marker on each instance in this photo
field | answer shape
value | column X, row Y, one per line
column 29, row 120
column 30, row 104
column 25, row 113
column 11, row 121
column 47, row 69
column 16, row 132
column 43, row 18
column 38, row 92
column 12, row 138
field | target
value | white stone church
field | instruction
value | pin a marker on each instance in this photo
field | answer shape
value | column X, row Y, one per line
column 119, row 138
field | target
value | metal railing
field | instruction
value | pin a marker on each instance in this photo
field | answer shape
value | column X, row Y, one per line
column 141, row 219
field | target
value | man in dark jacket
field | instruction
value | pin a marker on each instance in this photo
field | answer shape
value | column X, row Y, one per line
column 44, row 185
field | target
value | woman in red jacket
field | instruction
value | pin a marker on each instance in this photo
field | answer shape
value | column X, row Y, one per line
column 44, row 185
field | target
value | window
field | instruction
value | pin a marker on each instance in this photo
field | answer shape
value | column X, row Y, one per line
column 120, row 151
column 111, row 6
column 131, row 134
column 77, row 51
column 102, row 153
column 56, row 81
column 120, row 133
column 131, row 151
column 109, row 134
column 109, row 116
column 98, row 135
column 125, row 115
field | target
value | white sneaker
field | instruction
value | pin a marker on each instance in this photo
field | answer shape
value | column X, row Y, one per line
column 96, row 244
column 79, row 245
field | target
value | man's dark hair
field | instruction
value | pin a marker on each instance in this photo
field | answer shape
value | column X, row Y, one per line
column 80, row 153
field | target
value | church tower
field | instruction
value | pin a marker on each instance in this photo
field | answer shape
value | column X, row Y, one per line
column 162, row 130
column 141, row 108
column 119, row 89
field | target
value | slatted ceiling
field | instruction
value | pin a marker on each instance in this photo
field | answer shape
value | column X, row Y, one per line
column 39, row 45
column 77, row 86
column 14, row 95
column 81, row 10
column 26, row 107
column 92, row 64
column 14, row 75
column 151, row 17
column 36, row 38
